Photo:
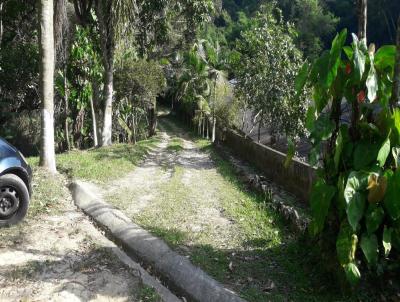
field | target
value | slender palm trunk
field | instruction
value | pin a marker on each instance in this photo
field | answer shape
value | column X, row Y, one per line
column 46, row 79
column 214, row 120
column 207, row 126
column 200, row 121
column 134, row 128
column 66, row 117
column 395, row 100
column 153, row 119
column 94, row 121
column 96, row 98
column 108, row 95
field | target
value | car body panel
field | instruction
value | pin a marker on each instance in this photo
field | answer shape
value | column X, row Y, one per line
column 12, row 161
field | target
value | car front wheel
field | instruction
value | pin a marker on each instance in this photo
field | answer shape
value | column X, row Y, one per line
column 14, row 200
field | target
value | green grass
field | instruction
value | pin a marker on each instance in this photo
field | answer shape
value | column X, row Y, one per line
column 48, row 194
column 175, row 144
column 104, row 164
column 148, row 294
column 247, row 253
column 255, row 249
column 258, row 250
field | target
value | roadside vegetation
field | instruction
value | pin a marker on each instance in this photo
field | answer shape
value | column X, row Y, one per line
column 46, row 200
column 104, row 164
column 223, row 228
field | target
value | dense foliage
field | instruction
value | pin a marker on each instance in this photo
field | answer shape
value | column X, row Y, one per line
column 267, row 64
column 138, row 83
column 356, row 128
column 19, row 70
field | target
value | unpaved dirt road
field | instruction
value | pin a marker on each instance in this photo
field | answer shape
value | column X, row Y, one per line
column 62, row 256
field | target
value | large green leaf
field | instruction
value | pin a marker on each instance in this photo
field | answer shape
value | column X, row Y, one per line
column 337, row 44
column 341, row 139
column 372, row 82
column 374, row 218
column 320, row 201
column 396, row 238
column 385, row 57
column 314, row 155
column 320, row 97
column 323, row 128
column 352, row 273
column 387, row 240
column 302, row 77
column 357, row 181
column 346, row 244
column 396, row 125
column 355, row 209
column 384, row 152
column 359, row 58
column 323, row 73
column 335, row 56
column 349, row 52
column 392, row 197
column 340, row 197
column 364, row 155
column 355, row 200
column 369, row 246
column 310, row 118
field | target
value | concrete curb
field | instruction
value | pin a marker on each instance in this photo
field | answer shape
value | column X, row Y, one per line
column 177, row 271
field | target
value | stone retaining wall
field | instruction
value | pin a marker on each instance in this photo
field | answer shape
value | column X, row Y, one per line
column 297, row 179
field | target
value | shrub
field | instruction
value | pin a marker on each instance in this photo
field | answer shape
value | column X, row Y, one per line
column 356, row 196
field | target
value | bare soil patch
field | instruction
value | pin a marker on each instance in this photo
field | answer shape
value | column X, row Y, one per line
column 59, row 255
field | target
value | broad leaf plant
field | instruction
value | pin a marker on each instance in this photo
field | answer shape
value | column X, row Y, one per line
column 354, row 128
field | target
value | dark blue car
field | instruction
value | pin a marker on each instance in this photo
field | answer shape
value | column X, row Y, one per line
column 15, row 185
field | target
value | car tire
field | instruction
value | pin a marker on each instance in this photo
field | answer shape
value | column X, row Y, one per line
column 14, row 200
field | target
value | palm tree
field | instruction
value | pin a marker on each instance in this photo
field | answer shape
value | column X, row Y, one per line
column 193, row 85
column 210, row 51
column 46, row 46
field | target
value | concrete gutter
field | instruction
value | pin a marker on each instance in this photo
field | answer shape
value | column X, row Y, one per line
column 172, row 268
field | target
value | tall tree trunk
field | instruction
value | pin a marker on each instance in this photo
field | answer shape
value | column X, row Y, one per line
column 46, row 80
column 362, row 19
column 107, row 39
column 203, row 129
column 207, row 126
column 94, row 120
column 96, row 99
column 395, row 100
column 108, row 96
column 66, row 117
column 214, row 120
column 153, row 119
column 199, row 127
column 134, row 128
